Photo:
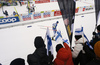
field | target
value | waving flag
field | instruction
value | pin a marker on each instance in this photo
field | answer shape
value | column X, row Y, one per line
column 49, row 42
column 58, row 36
column 81, row 31
column 66, row 41
column 88, row 42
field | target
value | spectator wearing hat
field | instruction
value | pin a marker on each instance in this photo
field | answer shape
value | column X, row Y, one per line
column 64, row 55
column 39, row 57
column 96, row 36
column 96, row 61
column 18, row 61
column 78, row 53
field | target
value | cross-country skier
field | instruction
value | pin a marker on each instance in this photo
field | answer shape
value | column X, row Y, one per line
column 32, row 8
column 54, row 28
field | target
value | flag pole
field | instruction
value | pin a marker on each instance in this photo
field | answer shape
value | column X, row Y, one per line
column 45, row 34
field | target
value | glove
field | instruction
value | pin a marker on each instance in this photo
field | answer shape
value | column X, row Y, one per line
column 63, row 42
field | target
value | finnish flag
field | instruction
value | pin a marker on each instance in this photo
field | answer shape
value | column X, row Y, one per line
column 80, row 32
column 66, row 41
column 58, row 36
column 49, row 42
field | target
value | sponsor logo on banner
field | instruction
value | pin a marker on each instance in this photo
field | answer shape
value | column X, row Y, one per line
column 83, row 9
column 9, row 20
column 88, row 8
column 46, row 14
column 36, row 16
column 41, row 1
column 27, row 17
column 76, row 11
column 57, row 13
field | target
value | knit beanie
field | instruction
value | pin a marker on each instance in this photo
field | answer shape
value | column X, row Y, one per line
column 39, row 42
column 59, row 46
column 97, row 48
column 98, row 27
column 18, row 61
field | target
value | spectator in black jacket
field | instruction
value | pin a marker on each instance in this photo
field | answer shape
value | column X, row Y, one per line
column 5, row 13
column 96, row 61
column 39, row 57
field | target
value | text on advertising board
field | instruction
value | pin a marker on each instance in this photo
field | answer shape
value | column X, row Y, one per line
column 27, row 17
column 37, row 15
column 9, row 20
column 46, row 14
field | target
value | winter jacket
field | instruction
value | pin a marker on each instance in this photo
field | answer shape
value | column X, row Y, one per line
column 79, row 54
column 39, row 57
column 94, row 62
column 78, row 47
column 89, row 52
column 64, row 56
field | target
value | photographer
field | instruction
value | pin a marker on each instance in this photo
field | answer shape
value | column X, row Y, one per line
column 96, row 36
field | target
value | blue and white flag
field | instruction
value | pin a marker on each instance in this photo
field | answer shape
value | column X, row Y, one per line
column 66, row 41
column 88, row 42
column 58, row 36
column 49, row 42
column 80, row 32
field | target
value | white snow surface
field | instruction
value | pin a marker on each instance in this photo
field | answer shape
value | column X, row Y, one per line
column 18, row 41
